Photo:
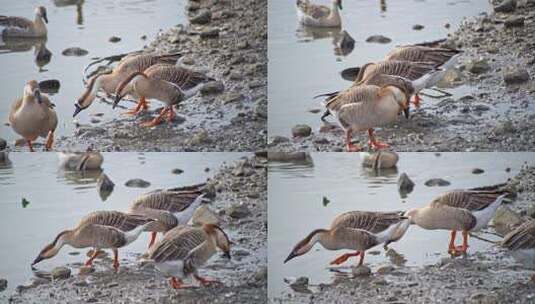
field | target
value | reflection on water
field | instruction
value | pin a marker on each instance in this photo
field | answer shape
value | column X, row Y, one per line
column 57, row 199
column 77, row 23
column 298, row 71
column 295, row 206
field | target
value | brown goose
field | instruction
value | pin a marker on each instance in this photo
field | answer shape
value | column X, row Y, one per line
column 99, row 229
column 355, row 230
column 314, row 15
column 169, row 84
column 458, row 210
column 33, row 115
column 184, row 249
column 521, row 243
column 169, row 208
column 108, row 81
column 23, row 28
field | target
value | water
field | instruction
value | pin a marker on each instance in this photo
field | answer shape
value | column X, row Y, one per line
column 57, row 200
column 302, row 61
column 89, row 25
column 295, row 205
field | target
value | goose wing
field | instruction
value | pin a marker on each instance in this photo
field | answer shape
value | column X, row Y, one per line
column 359, row 239
column 405, row 69
column 172, row 201
column 19, row 22
column 14, row 108
column 373, row 222
column 438, row 56
column 523, row 237
column 182, row 77
column 177, row 244
column 469, row 200
column 100, row 236
column 116, row 219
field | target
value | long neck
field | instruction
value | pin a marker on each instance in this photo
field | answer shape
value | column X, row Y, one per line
column 184, row 216
column 108, row 82
column 39, row 25
column 326, row 240
column 133, row 234
column 334, row 8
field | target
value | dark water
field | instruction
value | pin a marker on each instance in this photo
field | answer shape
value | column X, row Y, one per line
column 58, row 199
column 85, row 24
column 295, row 205
column 302, row 61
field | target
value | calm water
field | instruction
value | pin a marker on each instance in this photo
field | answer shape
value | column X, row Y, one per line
column 302, row 62
column 295, row 205
column 59, row 199
column 88, row 25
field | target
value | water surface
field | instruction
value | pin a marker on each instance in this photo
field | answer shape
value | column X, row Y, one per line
column 303, row 63
column 295, row 205
column 78, row 23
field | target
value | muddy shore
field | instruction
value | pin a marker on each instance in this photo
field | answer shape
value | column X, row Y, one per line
column 490, row 276
column 494, row 111
column 231, row 116
column 241, row 205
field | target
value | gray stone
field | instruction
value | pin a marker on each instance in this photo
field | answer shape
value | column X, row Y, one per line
column 301, row 130
column 361, row 270
column 49, row 86
column 434, row 182
column 483, row 298
column 385, row 269
column 74, row 51
column 114, row 39
column 478, row 171
column 212, row 87
column 3, row 144
column 3, row 284
column 204, row 16
column 289, row 156
column 514, row 22
column 516, row 76
column 61, row 273
column 243, row 168
column 380, row 160
column 478, row 66
column 405, row 184
column 378, row 39
column 300, row 284
column 508, row 6
column 417, row 27
column 105, row 186
column 277, row 139
column 199, row 138
column 238, row 211
column 210, row 33
column 177, row 171
column 137, row 183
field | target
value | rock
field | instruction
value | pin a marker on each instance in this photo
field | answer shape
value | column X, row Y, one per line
column 261, row 274
column 3, row 144
column 114, row 39
column 378, row 39
column 478, row 66
column 483, row 298
column 478, row 171
column 361, row 270
column 3, row 284
column 177, row 171
column 506, row 219
column 434, row 182
column 405, row 184
column 187, row 60
column 210, row 33
column 514, row 22
column 60, row 273
column 74, row 51
column 289, row 156
column 238, row 211
column 508, row 6
column 516, row 76
column 235, row 75
column 300, row 285
column 205, row 215
column 385, row 269
column 243, row 168
column 204, row 16
column 137, row 183
column 85, row 270
column 230, row 97
column 49, row 86
column 105, row 186
column 199, row 138
column 344, row 43
column 212, row 87
column 417, row 27
column 277, row 139
column 531, row 211
column 380, row 160
column 301, row 130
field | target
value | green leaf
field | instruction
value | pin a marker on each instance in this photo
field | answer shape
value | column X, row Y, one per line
column 25, row 202
column 326, row 201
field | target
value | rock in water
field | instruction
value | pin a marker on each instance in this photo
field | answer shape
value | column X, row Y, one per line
column 204, row 16
column 378, row 39
column 3, row 144
column 61, row 273
column 405, row 185
column 507, row 6
column 434, row 182
column 289, row 156
column 238, row 211
column 3, row 284
column 137, row 183
column 74, row 51
column 105, row 186
column 380, row 160
column 49, row 86
column 344, row 44
column 301, row 130
column 300, row 285
column 361, row 270
column 114, row 39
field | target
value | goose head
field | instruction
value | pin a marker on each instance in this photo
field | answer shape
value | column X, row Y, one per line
column 220, row 237
column 40, row 11
column 338, row 3
column 32, row 89
column 306, row 244
column 50, row 250
column 93, row 85
column 122, row 89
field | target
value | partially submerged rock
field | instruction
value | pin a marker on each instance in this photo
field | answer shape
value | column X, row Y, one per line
column 74, row 51
column 289, row 156
column 137, row 183
column 361, row 270
column 3, row 284
column 516, row 76
column 301, row 130
column 405, row 184
column 299, row 285
column 378, row 39
column 49, row 86
column 105, row 186
column 380, row 160
column 204, row 16
column 60, row 273
column 437, row 182
column 238, row 211
column 507, row 6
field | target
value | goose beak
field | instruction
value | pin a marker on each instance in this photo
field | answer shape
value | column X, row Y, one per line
column 37, row 260
column 116, row 101
column 290, row 256
column 45, row 18
column 340, row 4
column 77, row 109
column 226, row 255
column 37, row 95
column 406, row 112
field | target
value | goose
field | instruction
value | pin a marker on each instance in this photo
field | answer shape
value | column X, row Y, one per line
column 99, row 229
column 355, row 230
column 169, row 208
column 521, row 243
column 458, row 210
column 365, row 107
column 184, row 249
column 108, row 81
column 167, row 83
column 315, row 15
column 24, row 28
column 81, row 161
column 33, row 115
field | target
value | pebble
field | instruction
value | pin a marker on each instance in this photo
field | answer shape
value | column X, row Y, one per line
column 199, row 138
column 277, row 139
column 210, row 33
column 385, row 269
column 61, row 273
column 405, row 184
column 380, row 160
column 516, row 76
column 212, row 87
column 114, row 39
column 378, row 39
column 49, row 86
column 3, row 284
column 288, row 156
column 361, row 270
column 74, row 51
column 508, row 6
column 177, row 171
column 514, row 22
column 417, row 27
column 3, row 144
column 238, row 211
column 301, row 130
column 434, row 182
column 204, row 16
column 137, row 183
column 478, row 171
column 478, row 66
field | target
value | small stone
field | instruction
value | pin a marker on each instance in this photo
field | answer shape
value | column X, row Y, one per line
column 514, row 22
column 301, row 130
column 380, row 282
column 447, row 25
column 204, row 16
column 508, row 6
column 300, row 284
column 137, row 183
column 210, row 33
column 230, row 97
column 114, row 39
column 199, row 138
column 380, row 160
column 105, row 186
column 112, row 285
column 212, row 87
column 478, row 171
column 3, row 284
column 3, row 144
column 85, row 270
column 434, row 182
column 483, row 298
column 277, row 139
column 289, row 156
column 378, row 39
column 60, row 273
column 74, row 51
column 385, row 269
column 177, row 171
column 238, row 211
column 478, row 66
column 361, row 270
column 49, row 86
column 235, row 75
column 243, row 168
column 516, row 76
column 187, row 60
column 405, row 184
column 417, row 27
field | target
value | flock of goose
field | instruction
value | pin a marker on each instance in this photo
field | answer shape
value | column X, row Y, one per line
column 381, row 90
column 179, row 254
column 141, row 76
column 459, row 210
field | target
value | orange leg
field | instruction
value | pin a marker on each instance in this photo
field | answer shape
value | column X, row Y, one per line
column 171, row 114
column 30, row 145
column 49, row 140
column 464, row 246
column 341, row 259
column 205, row 281
column 177, row 283
column 116, row 259
column 375, row 144
column 533, row 278
column 142, row 105
column 152, row 238
column 416, row 100
column 349, row 146
column 94, row 256
column 361, row 258
column 156, row 121
column 451, row 247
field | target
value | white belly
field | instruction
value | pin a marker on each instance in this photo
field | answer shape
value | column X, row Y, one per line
column 172, row 269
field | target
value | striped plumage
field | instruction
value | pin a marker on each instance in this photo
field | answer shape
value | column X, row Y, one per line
column 314, row 15
column 405, row 69
column 184, row 249
column 521, row 243
column 416, row 53
column 19, row 27
column 356, row 230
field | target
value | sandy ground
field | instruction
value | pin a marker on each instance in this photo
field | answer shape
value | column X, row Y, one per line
column 243, row 278
column 490, row 276
column 492, row 116
column 231, row 47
